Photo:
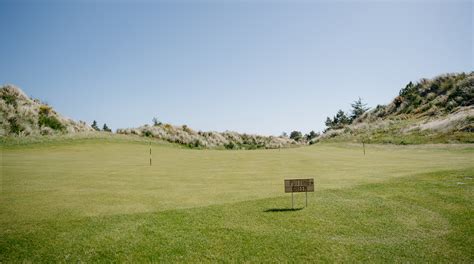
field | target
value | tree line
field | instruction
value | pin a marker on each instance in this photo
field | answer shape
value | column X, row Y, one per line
column 342, row 119
column 104, row 127
column 338, row 121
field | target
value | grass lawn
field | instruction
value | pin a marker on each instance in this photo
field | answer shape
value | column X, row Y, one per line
column 99, row 200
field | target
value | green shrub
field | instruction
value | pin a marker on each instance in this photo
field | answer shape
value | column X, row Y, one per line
column 230, row 145
column 296, row 135
column 14, row 126
column 451, row 105
column 195, row 144
column 44, row 110
column 9, row 99
column 147, row 133
column 311, row 135
column 186, row 129
column 51, row 122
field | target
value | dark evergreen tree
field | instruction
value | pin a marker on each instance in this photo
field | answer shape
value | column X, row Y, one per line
column 341, row 119
column 338, row 121
column 156, row 122
column 106, row 128
column 329, row 122
column 358, row 109
column 94, row 126
column 311, row 135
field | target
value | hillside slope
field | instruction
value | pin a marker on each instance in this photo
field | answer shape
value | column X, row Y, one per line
column 198, row 139
column 21, row 115
column 438, row 110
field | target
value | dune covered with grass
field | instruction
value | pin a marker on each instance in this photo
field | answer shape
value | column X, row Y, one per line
column 23, row 116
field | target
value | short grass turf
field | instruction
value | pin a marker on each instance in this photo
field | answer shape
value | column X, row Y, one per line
column 97, row 201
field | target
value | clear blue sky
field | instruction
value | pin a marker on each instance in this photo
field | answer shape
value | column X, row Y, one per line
column 258, row 67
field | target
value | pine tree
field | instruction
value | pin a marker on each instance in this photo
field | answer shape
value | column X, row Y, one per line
column 156, row 122
column 329, row 122
column 338, row 121
column 341, row 119
column 358, row 109
column 106, row 128
column 311, row 135
column 94, row 126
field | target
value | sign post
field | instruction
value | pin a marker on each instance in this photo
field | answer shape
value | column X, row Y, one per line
column 299, row 185
column 291, row 200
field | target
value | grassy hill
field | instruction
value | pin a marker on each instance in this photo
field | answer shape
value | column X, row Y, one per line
column 438, row 110
column 99, row 200
column 21, row 115
column 25, row 119
column 198, row 139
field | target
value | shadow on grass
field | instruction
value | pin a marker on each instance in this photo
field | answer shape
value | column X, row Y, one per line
column 273, row 210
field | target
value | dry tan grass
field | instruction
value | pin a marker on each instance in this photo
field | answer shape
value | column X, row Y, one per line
column 228, row 139
column 450, row 122
column 19, row 115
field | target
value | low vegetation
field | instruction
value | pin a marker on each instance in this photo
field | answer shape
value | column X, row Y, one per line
column 440, row 110
column 21, row 115
column 24, row 117
column 429, row 97
column 198, row 139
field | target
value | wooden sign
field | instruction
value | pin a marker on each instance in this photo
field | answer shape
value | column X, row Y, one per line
column 299, row 185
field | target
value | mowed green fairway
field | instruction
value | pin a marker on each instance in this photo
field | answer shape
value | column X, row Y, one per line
column 97, row 200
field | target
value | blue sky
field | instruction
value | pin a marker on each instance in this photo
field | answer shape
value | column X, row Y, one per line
column 258, row 67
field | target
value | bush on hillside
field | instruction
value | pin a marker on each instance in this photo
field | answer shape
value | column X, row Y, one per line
column 296, row 135
column 147, row 133
column 50, row 121
column 9, row 99
column 14, row 126
column 447, row 92
column 311, row 135
column 230, row 145
column 44, row 109
column 425, row 111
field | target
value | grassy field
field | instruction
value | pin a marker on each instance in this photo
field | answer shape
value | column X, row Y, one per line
column 99, row 200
